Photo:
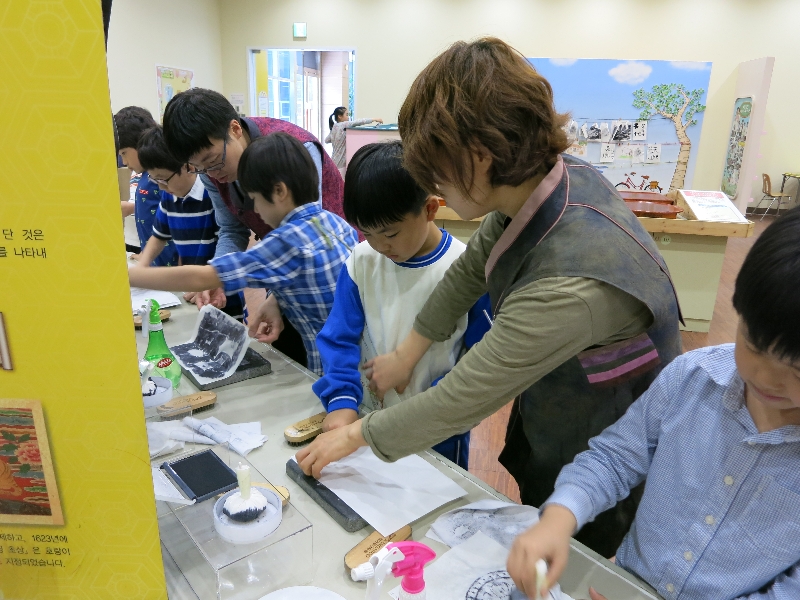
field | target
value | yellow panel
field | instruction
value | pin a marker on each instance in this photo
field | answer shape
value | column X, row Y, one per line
column 65, row 303
column 262, row 84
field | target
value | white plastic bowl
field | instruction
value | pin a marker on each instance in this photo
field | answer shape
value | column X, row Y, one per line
column 254, row 531
column 163, row 392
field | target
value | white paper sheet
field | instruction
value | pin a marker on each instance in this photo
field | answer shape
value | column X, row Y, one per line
column 140, row 295
column 501, row 521
column 474, row 569
column 217, row 346
column 389, row 495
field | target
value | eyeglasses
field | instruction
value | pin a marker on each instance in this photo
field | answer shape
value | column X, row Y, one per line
column 214, row 167
column 164, row 181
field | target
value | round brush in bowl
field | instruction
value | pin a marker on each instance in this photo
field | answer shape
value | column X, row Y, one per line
column 248, row 503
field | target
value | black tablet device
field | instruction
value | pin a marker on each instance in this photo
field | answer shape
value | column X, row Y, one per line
column 201, row 476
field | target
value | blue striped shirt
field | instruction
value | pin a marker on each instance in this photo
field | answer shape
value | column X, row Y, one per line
column 190, row 223
column 299, row 262
column 720, row 515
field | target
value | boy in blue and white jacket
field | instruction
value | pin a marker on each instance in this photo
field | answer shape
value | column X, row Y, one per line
column 383, row 286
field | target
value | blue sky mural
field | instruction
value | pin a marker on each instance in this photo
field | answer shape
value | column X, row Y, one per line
column 602, row 90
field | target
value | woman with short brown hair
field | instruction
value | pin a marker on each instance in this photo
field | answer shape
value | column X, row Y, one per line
column 585, row 312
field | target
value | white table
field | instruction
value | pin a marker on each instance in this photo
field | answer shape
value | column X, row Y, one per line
column 285, row 397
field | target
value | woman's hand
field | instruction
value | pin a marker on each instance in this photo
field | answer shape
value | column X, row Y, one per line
column 386, row 372
column 330, row 447
column 548, row 540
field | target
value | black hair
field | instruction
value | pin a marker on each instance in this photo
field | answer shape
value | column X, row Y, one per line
column 153, row 152
column 193, row 118
column 337, row 112
column 767, row 292
column 131, row 123
column 275, row 158
column 378, row 191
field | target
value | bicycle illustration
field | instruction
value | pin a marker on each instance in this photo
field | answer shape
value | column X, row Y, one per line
column 645, row 185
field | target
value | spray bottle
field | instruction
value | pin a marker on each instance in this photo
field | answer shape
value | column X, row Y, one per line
column 416, row 556
column 158, row 353
column 376, row 570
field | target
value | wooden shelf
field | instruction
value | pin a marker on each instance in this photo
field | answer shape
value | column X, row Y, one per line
column 684, row 226
column 690, row 227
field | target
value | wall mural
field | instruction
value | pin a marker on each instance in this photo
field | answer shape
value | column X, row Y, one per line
column 637, row 121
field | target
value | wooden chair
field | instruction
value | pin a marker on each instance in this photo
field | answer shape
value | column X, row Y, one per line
column 766, row 188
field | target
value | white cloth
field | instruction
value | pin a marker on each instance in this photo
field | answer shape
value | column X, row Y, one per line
column 165, row 437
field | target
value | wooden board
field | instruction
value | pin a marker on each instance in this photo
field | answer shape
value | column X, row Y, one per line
column 656, row 225
column 653, row 209
column 448, row 214
column 371, row 544
column 698, row 227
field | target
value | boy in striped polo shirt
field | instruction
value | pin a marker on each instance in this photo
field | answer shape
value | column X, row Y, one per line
column 298, row 261
column 185, row 214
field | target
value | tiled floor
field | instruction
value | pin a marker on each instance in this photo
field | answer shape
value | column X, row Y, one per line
column 487, row 438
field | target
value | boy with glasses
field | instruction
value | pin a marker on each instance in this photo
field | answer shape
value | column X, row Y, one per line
column 185, row 216
column 299, row 261
column 202, row 128
column 131, row 123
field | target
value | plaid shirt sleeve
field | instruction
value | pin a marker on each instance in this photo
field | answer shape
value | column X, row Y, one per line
column 271, row 263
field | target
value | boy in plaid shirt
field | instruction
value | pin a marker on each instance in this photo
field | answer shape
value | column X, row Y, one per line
column 299, row 260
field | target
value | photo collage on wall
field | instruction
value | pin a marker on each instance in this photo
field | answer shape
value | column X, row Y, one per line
column 637, row 121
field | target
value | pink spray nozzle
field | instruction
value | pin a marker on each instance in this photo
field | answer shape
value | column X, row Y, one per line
column 410, row 568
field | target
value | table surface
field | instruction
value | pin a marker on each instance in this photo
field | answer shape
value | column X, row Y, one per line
column 285, row 397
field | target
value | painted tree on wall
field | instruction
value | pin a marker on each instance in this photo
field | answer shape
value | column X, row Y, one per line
column 672, row 101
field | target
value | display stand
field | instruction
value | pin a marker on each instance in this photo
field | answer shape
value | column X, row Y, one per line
column 216, row 569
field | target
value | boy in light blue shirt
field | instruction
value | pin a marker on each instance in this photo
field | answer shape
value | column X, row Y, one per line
column 717, row 436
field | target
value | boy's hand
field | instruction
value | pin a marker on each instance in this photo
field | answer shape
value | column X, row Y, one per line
column 339, row 418
column 190, row 296
column 215, row 297
column 386, row 372
column 266, row 323
column 330, row 447
column 549, row 540
column 595, row 595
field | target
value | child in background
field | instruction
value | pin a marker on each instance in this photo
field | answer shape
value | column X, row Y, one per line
column 337, row 123
column 384, row 284
column 131, row 123
column 298, row 261
column 184, row 216
column 717, row 435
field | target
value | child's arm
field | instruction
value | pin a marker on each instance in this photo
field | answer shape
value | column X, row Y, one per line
column 189, row 278
column 152, row 249
column 617, row 460
column 339, row 345
column 128, row 208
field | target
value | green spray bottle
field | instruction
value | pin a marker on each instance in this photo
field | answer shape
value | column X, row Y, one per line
column 158, row 353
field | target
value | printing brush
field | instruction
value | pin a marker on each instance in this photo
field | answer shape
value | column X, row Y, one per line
column 305, row 430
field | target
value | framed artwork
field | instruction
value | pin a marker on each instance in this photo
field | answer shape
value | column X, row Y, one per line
column 736, row 144
column 28, row 491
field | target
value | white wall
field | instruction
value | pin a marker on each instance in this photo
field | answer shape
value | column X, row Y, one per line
column 395, row 39
column 172, row 33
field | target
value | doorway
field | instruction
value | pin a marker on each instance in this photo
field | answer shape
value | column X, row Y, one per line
column 301, row 86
